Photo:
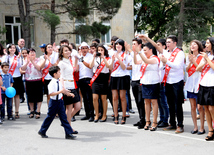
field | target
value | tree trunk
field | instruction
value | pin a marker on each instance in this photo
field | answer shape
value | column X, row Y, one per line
column 24, row 13
column 181, row 24
column 53, row 29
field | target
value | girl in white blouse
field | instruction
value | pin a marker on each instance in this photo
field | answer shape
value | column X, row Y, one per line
column 150, row 81
column 99, row 82
column 206, row 89
column 120, row 81
column 67, row 67
column 191, row 85
column 14, row 60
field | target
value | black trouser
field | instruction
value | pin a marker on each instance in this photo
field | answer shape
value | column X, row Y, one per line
column 87, row 96
column 137, row 92
column 175, row 98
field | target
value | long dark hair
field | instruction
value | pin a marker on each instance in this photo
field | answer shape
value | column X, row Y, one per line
column 200, row 46
column 121, row 42
column 150, row 46
column 9, row 46
column 61, row 51
column 46, row 48
column 1, row 50
column 105, row 50
column 211, row 39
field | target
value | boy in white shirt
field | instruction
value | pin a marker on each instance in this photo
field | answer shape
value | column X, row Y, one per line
column 56, row 105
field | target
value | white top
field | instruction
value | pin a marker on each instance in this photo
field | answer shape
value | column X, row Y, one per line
column 97, row 62
column 111, row 52
column 67, row 73
column 192, row 82
column 31, row 73
column 136, row 73
column 52, row 88
column 16, row 73
column 119, row 72
column 208, row 79
column 85, row 72
column 176, row 72
column 151, row 74
column 161, row 66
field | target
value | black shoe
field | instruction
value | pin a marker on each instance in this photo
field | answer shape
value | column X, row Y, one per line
column 73, row 119
column 160, row 122
column 131, row 111
column 200, row 133
column 136, row 124
column 163, row 125
column 75, row 132
column 22, row 100
column 70, row 136
column 103, row 120
column 91, row 119
column 84, row 118
column 194, row 131
column 42, row 135
column 96, row 120
column 11, row 118
column 1, row 122
column 141, row 125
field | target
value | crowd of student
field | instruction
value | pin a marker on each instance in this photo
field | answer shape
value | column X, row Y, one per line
column 97, row 72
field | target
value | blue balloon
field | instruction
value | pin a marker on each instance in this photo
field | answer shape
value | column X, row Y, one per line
column 10, row 92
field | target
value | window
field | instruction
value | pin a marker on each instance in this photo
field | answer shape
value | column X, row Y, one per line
column 13, row 27
column 107, row 37
column 79, row 38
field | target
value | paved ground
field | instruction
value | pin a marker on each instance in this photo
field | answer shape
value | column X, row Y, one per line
column 20, row 137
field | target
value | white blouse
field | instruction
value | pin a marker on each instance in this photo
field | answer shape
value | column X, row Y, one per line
column 97, row 61
column 66, row 70
column 208, row 79
column 136, row 73
column 16, row 73
column 119, row 72
column 151, row 74
column 192, row 82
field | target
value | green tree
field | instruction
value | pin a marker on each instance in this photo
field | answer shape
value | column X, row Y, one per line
column 2, row 32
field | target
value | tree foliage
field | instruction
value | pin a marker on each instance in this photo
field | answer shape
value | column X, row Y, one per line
column 3, row 30
column 161, row 17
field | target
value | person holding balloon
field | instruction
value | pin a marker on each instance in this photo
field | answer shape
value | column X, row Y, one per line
column 7, row 83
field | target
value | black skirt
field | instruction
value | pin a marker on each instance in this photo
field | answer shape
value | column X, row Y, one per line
column 100, row 85
column 70, row 100
column 18, row 85
column 206, row 96
column 150, row 91
column 45, row 84
column 120, row 83
column 34, row 91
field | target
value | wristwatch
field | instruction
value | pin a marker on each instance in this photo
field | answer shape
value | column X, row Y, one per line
column 81, row 59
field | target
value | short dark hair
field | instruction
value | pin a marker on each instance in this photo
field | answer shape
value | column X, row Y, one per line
column 139, row 41
column 114, row 38
column 53, row 69
column 162, row 41
column 200, row 46
column 73, row 45
column 94, row 45
column 31, row 49
column 120, row 42
column 203, row 43
column 64, row 41
column 97, row 40
column 4, row 64
column 173, row 37
column 150, row 46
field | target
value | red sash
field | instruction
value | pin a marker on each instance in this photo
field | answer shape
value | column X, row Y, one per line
column 98, row 71
column 167, row 68
column 75, row 84
column 13, row 66
column 117, row 64
column 204, row 71
column 192, row 69
column 143, row 67
column 45, row 72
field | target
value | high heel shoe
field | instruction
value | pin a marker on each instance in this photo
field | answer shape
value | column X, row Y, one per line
column 123, row 121
column 146, row 127
column 208, row 138
column 31, row 114
column 103, row 120
column 116, row 119
column 152, row 128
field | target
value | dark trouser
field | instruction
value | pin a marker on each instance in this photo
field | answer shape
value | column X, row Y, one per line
column 87, row 96
column 175, row 98
column 56, row 107
column 9, row 106
column 162, row 104
column 137, row 92
column 128, row 99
